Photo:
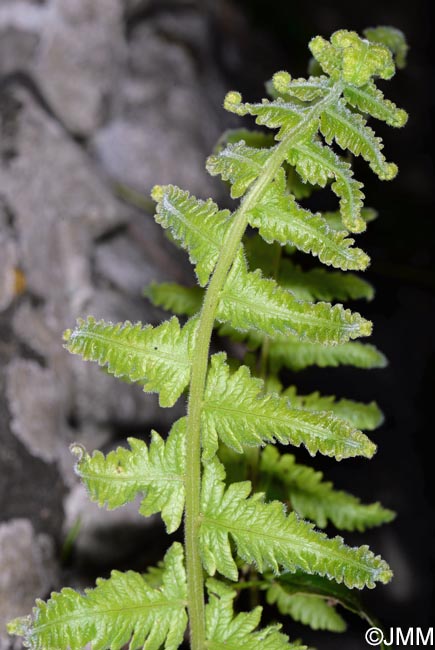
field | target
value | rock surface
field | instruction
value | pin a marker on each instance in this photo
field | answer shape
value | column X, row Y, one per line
column 28, row 570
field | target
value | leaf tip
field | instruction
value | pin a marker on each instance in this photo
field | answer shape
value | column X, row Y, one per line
column 232, row 101
column 281, row 81
column 157, row 193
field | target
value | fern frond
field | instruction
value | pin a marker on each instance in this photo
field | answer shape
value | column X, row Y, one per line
column 249, row 301
column 173, row 297
column 231, row 631
column 317, row 164
column 393, row 38
column 319, row 284
column 369, row 99
column 352, row 59
column 278, row 218
column 350, row 131
column 317, row 500
column 156, row 471
column 123, row 609
column 237, row 411
column 159, row 358
column 265, row 536
column 360, row 415
column 239, row 164
column 198, row 225
column 314, row 611
column 297, row 355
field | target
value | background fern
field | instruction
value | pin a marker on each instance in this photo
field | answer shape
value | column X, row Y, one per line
column 277, row 308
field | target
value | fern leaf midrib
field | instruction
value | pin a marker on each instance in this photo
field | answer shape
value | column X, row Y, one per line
column 136, row 348
column 164, row 604
column 285, row 314
column 194, row 569
column 213, row 406
column 132, row 478
column 284, row 539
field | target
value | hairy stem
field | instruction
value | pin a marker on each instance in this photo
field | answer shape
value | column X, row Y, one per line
column 192, row 520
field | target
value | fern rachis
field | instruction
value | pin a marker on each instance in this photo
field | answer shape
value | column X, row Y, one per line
column 231, row 411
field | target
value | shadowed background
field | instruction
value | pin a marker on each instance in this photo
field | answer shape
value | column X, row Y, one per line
column 98, row 93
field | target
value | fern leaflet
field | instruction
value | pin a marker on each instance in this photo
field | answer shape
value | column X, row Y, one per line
column 265, row 536
column 123, row 609
column 156, row 471
column 159, row 358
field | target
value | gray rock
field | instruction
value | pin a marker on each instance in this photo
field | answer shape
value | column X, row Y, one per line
column 8, row 270
column 158, row 134
column 57, row 210
column 28, row 570
column 73, row 49
column 36, row 408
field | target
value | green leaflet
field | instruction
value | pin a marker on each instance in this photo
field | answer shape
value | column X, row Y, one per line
column 319, row 284
column 237, row 411
column 351, row 58
column 313, row 284
column 369, row 99
column 265, row 536
column 362, row 416
column 250, row 301
column 334, row 218
column 317, row 164
column 159, row 358
column 300, row 583
column 199, row 225
column 296, row 355
column 183, row 301
column 239, row 164
column 279, row 218
column 123, row 609
column 393, row 38
column 251, row 137
column 314, row 499
column 156, row 471
column 310, row 610
column 350, row 131
column 235, row 631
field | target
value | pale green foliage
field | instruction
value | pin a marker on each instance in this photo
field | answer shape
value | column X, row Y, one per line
column 296, row 355
column 122, row 609
column 279, row 313
column 230, row 631
column 265, row 536
column 250, row 301
column 159, row 358
column 183, row 301
column 314, row 611
column 156, row 471
column 279, row 218
column 199, row 226
column 393, row 38
column 237, row 411
column 317, row 500
column 362, row 416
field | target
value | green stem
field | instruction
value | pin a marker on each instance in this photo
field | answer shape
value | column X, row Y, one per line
column 233, row 238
